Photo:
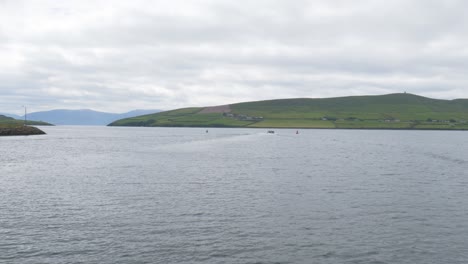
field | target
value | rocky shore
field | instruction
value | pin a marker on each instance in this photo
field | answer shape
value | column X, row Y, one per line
column 20, row 131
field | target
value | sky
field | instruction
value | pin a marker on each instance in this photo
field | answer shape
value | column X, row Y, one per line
column 116, row 56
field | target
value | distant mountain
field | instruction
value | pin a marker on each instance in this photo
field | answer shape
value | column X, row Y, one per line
column 11, row 115
column 391, row 111
column 137, row 112
column 83, row 117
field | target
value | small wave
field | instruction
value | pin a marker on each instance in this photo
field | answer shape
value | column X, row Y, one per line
column 447, row 158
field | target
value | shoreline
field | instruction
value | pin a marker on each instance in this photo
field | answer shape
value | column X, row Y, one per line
column 20, row 131
column 307, row 128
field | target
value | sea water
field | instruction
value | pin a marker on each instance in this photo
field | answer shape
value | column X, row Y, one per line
column 188, row 195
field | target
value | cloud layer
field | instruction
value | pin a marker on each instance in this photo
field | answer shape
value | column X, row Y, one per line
column 117, row 56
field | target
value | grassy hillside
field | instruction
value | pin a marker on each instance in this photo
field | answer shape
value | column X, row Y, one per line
column 11, row 122
column 13, row 127
column 393, row 111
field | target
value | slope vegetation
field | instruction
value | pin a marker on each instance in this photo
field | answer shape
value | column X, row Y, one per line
column 11, row 122
column 13, row 127
column 392, row 111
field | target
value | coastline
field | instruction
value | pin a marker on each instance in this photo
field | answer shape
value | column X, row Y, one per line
column 305, row 128
column 20, row 131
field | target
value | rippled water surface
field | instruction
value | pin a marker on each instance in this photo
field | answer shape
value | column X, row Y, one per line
column 168, row 195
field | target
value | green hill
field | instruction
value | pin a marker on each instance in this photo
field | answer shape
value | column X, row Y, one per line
column 11, row 122
column 13, row 127
column 392, row 111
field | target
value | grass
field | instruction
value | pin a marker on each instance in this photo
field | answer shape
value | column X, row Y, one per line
column 296, row 123
column 11, row 122
column 186, row 117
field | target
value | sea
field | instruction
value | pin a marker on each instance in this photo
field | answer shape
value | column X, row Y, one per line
column 195, row 195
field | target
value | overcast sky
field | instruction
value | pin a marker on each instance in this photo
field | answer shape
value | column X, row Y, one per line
column 121, row 55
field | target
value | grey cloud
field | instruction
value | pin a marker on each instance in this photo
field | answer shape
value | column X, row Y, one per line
column 116, row 56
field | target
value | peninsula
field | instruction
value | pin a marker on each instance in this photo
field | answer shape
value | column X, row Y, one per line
column 391, row 111
column 13, row 127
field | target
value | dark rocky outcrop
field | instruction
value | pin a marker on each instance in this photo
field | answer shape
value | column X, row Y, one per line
column 20, row 131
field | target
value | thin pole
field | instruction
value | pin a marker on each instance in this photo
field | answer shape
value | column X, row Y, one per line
column 25, row 115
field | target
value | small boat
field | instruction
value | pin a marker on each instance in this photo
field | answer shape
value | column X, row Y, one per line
column 271, row 132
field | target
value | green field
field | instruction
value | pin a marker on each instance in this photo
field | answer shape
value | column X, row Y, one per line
column 392, row 111
column 11, row 122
